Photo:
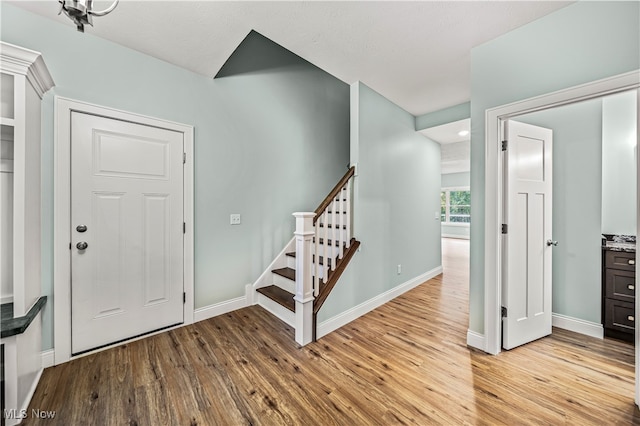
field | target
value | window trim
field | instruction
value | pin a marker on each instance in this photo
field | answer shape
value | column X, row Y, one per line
column 447, row 190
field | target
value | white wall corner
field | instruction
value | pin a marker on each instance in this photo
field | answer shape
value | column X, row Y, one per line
column 475, row 340
column 334, row 323
column 576, row 325
column 249, row 293
column 48, row 359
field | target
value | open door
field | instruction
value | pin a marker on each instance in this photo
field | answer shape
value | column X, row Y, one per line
column 527, row 239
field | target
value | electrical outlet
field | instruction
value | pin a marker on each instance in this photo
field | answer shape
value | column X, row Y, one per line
column 399, row 269
column 234, row 219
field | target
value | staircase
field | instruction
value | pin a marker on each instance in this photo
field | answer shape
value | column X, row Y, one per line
column 304, row 274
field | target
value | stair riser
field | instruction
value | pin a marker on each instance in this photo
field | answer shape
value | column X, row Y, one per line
column 284, row 283
column 289, row 285
column 279, row 311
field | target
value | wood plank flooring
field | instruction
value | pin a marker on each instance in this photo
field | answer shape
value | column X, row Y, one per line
column 404, row 363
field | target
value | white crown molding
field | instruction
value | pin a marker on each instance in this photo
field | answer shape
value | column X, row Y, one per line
column 29, row 63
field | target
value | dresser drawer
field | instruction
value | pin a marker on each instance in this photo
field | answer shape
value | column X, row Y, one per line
column 620, row 285
column 620, row 260
column 620, row 315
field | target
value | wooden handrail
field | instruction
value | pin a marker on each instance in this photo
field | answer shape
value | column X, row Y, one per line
column 336, row 189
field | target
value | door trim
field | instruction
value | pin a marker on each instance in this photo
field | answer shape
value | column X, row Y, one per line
column 493, row 185
column 63, row 107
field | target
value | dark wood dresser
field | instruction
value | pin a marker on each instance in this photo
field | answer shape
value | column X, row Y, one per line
column 618, row 292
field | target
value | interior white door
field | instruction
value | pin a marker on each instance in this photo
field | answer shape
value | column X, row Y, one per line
column 528, row 240
column 126, row 230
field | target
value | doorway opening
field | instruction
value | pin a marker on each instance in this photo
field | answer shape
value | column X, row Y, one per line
column 65, row 108
column 493, row 189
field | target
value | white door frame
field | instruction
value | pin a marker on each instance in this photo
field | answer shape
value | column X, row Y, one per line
column 62, row 213
column 493, row 185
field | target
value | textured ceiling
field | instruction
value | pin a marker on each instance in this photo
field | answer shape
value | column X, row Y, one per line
column 416, row 54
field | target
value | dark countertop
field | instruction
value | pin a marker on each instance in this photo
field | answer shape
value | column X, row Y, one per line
column 618, row 242
column 11, row 326
column 615, row 246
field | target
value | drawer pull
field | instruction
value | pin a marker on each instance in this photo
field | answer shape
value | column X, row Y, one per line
column 631, row 287
column 632, row 262
column 630, row 318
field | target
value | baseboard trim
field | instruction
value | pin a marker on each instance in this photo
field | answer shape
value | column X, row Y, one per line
column 578, row 326
column 475, row 340
column 460, row 237
column 227, row 306
column 340, row 320
column 48, row 358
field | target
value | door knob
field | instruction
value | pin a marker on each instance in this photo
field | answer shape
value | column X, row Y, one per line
column 81, row 228
column 552, row 243
column 82, row 245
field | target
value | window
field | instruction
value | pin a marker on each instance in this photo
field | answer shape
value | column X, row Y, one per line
column 455, row 205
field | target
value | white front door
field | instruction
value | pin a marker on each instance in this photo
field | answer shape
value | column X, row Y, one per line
column 528, row 239
column 126, row 230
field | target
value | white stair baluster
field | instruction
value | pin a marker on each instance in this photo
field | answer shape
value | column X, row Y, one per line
column 334, row 232
column 327, row 249
column 341, row 222
column 348, row 214
column 314, row 256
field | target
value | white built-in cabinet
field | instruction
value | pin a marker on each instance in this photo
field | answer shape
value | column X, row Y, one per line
column 24, row 80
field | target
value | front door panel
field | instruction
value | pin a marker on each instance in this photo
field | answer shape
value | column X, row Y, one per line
column 126, row 190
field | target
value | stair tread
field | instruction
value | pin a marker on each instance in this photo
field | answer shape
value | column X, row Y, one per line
column 286, row 272
column 279, row 295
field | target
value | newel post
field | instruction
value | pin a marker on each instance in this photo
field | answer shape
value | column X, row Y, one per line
column 304, row 286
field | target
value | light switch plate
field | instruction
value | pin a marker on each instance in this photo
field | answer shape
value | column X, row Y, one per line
column 234, row 219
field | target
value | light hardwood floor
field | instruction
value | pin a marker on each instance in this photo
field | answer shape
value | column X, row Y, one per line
column 404, row 363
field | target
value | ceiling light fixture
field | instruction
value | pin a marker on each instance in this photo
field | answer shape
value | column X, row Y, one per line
column 463, row 133
column 81, row 11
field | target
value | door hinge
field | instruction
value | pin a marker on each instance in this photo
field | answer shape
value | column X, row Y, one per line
column 503, row 311
column 69, row 246
column 184, row 158
column 504, row 145
column 184, row 227
column 184, row 298
column 505, row 228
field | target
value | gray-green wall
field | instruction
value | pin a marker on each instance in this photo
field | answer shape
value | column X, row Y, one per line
column 582, row 42
column 397, row 191
column 619, row 153
column 577, row 199
column 266, row 144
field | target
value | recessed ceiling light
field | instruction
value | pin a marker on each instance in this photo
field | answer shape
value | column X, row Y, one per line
column 463, row 132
